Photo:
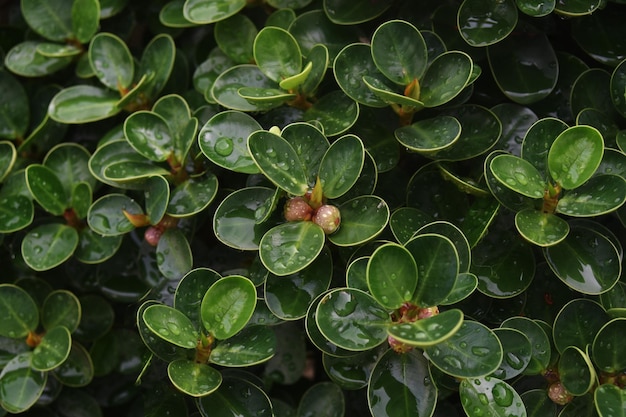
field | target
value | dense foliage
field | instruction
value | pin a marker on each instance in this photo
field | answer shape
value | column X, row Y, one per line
column 313, row 208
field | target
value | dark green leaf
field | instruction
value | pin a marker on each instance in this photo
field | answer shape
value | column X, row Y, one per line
column 485, row 22
column 362, row 218
column 539, row 340
column 600, row 195
column 324, row 399
column 228, row 400
column 20, row 385
column 428, row 332
column 53, row 349
column 210, row 11
column 607, row 352
column 238, row 351
column 24, row 59
column 61, row 308
column 335, row 111
column 347, row 12
column 575, row 155
column 173, row 254
column 83, row 104
column 49, row 245
column 192, row 378
column 171, row 325
column 352, row 63
column 277, row 53
column 576, row 371
column 20, row 312
column 609, row 399
column 77, row 370
column 391, row 275
column 157, row 62
column 490, row 397
column 517, row 353
column 111, row 61
column 16, row 116
column 341, row 166
column 50, row 19
column 106, row 215
column 85, row 19
column 445, row 78
column 47, row 189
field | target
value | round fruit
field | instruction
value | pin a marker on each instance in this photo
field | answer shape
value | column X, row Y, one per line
column 152, row 235
column 297, row 209
column 427, row 312
column 328, row 218
column 559, row 394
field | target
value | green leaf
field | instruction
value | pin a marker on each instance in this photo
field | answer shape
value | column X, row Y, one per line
column 157, row 195
column 352, row 319
column 288, row 362
column 538, row 140
column 485, row 22
column 585, row 260
column 309, row 143
column 15, row 117
column 600, row 195
column 518, row 175
column 132, row 174
column 294, row 81
column 115, row 152
column 192, row 196
column 235, row 36
column 399, row 52
column 228, row 305
column 278, row 161
column 97, row 316
column 576, row 8
column 83, row 104
column 291, row 247
column 313, row 27
column 517, row 353
column 542, row 229
column 77, row 370
column 16, row 212
column 391, row 275
column 464, row 286
column 61, row 308
column 227, row 400
column 171, row 325
column 176, row 113
column 156, row 345
column 190, row 289
column 157, row 62
column 49, row 245
column 362, row 218
column 445, row 78
column 348, row 12
column 335, row 111
column 225, row 90
column 47, row 189
column 50, row 19
column 473, row 351
column 111, row 61
column 429, row 136
column 538, row 403
column 437, row 267
column 352, row 63
column 490, row 397
column 405, row 221
column 20, row 312
column 149, row 134
column 70, row 163
column 400, row 386
column 192, row 378
column 575, row 155
column 238, row 351
column 324, row 399
column 173, row 254
column 609, row 399
column 429, row 331
column 539, row 340
column 522, row 83
column 277, row 53
column 618, row 86
column 352, row 372
column 25, row 60
column 210, row 11
column 576, row 371
column 85, row 19
column 455, row 235
column 106, row 215
column 341, row 166
column 20, row 385
column 607, row 353
column 53, row 349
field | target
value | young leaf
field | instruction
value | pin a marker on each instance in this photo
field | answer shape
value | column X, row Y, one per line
column 277, row 53
column 192, row 378
column 111, row 61
column 171, row 325
column 575, row 155
column 391, row 275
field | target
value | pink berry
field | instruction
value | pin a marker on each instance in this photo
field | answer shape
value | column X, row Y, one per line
column 152, row 235
column 328, row 218
column 558, row 393
column 297, row 209
column 427, row 312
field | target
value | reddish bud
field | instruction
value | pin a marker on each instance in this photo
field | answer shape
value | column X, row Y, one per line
column 297, row 209
column 397, row 346
column 328, row 218
column 427, row 312
column 167, row 222
column 558, row 394
column 152, row 235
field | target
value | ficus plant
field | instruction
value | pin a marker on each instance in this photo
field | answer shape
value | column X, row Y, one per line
column 312, row 207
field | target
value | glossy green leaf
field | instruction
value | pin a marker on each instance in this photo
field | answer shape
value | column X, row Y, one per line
column 352, row 319
column 504, row 195
column 238, row 351
column 94, row 248
column 52, row 20
column 132, row 173
column 225, row 90
column 157, row 61
column 576, row 7
column 111, row 61
column 53, row 349
column 289, row 297
column 157, row 195
column 618, row 86
column 473, row 351
column 575, row 155
column 464, row 286
column 428, row 136
column 341, row 166
column 445, row 78
column 539, row 340
column 291, row 247
column 538, row 403
column 85, row 19
column 490, row 397
column 277, row 53
column 117, row 151
column 576, row 371
column 607, row 352
column 517, row 353
column 171, row 15
column 97, row 316
column 391, row 94
column 61, row 308
column 70, row 163
column 235, row 37
column 269, row 97
column 278, row 160
column 399, row 52
column 317, row 337
column 106, row 215
column 538, row 140
column 455, row 235
column 20, row 385
column 309, row 143
column 47, row 189
column 83, row 104
column 610, row 401
column 470, row 185
column 288, row 362
column 600, row 195
column 15, row 116
column 345, row 12
column 171, row 325
column 520, row 82
column 429, row 331
column 591, row 91
column 227, row 400
column 156, row 345
column 478, row 218
column 49, row 245
column 173, row 253
column 362, row 218
column 191, row 289
column 601, row 36
column 318, row 59
column 352, row 372
column 20, row 310
column 8, row 156
column 80, row 199
column 585, row 260
column 542, row 229
column 16, row 212
column 236, row 218
column 437, row 267
column 518, row 175
column 149, row 134
column 210, row 11
column 192, row 196
column 391, row 275
column 228, row 305
column 223, row 139
column 485, row 22
column 335, row 111
column 24, row 59
column 405, row 221
column 192, row 378
column 351, row 64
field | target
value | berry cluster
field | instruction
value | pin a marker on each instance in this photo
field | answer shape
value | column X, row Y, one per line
column 326, row 216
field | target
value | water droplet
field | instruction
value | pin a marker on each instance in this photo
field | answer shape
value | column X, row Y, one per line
column 514, row 361
column 173, row 327
column 521, row 178
column 345, row 304
column 502, row 394
column 480, row 351
column 483, row 399
column 224, row 146
column 453, row 362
